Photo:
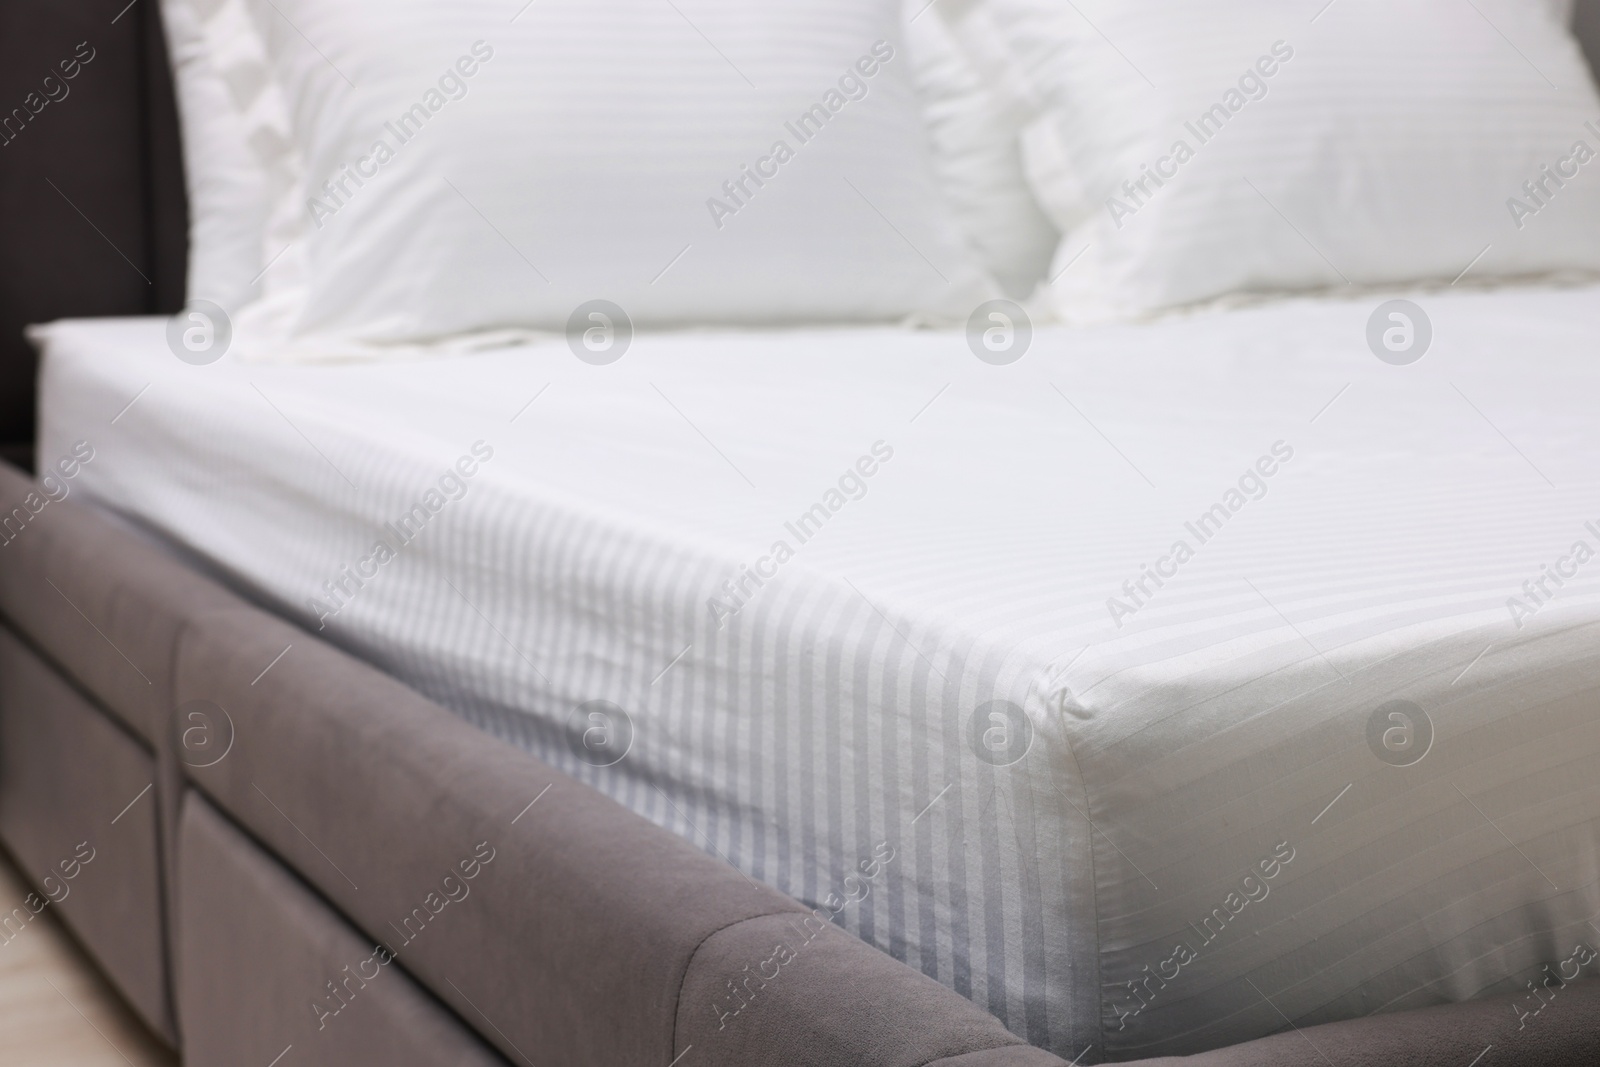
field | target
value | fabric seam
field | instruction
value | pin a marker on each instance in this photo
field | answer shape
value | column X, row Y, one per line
column 677, row 1002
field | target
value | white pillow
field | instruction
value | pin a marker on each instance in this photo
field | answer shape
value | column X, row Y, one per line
column 605, row 151
column 975, row 127
column 1388, row 144
column 228, row 189
column 239, row 162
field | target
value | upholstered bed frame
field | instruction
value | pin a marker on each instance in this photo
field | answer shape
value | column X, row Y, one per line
column 294, row 859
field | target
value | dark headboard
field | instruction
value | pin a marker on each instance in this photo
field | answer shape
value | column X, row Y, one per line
column 93, row 218
column 1586, row 22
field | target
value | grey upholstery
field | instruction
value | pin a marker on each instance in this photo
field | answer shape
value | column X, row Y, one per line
column 73, row 786
column 107, row 605
column 260, row 951
column 832, row 1001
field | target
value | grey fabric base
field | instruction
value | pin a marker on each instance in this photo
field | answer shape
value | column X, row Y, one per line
column 107, row 606
column 77, row 815
column 827, row 999
column 270, row 971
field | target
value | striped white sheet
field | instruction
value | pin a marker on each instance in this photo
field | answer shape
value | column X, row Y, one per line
column 1220, row 732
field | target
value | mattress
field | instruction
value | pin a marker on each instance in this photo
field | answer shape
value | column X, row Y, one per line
column 1174, row 685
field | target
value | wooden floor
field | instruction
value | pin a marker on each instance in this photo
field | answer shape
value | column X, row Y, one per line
column 55, row 1009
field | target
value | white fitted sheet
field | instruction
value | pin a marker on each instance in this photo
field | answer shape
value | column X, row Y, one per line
column 1224, row 721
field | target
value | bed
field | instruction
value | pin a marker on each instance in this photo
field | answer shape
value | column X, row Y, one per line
column 910, row 637
column 1214, row 676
